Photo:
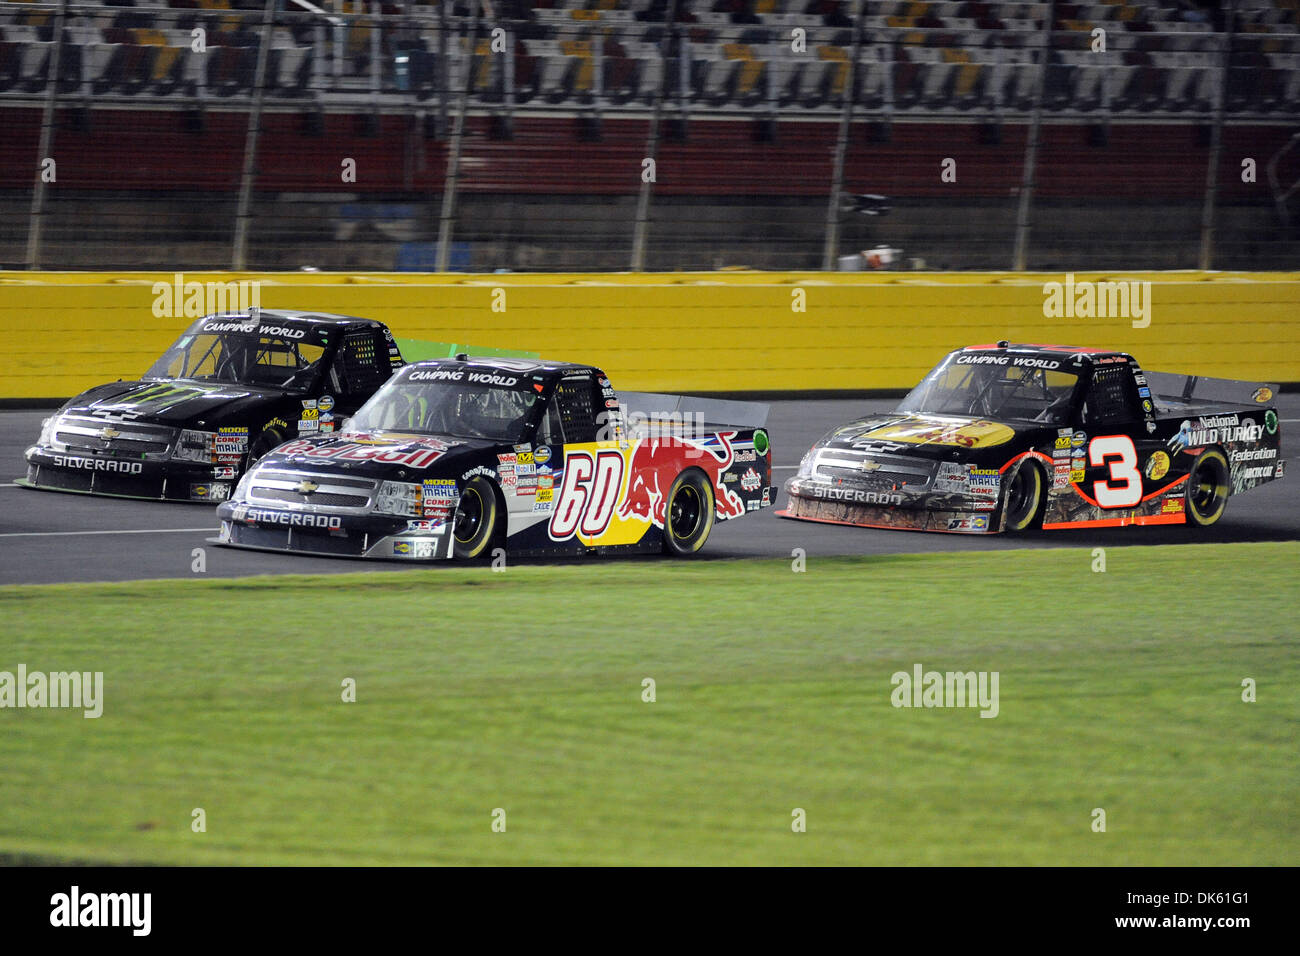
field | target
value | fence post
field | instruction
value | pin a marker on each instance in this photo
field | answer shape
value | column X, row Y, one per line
column 376, row 53
column 642, row 226
column 1028, row 178
column 37, row 218
column 443, row 78
column 453, row 150
column 1208, row 210
column 832, row 249
column 239, row 259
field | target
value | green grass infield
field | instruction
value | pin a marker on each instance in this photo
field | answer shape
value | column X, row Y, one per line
column 523, row 691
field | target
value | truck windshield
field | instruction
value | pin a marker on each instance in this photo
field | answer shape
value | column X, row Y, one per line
column 460, row 409
column 244, row 358
column 998, row 387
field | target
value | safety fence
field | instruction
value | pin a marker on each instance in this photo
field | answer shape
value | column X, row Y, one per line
column 576, row 135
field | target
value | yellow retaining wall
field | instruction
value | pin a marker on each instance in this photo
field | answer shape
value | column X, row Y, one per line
column 689, row 332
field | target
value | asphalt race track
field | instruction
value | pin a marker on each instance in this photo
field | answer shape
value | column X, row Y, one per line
column 50, row 537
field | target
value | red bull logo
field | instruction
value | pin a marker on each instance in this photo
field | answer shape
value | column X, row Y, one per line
column 656, row 463
column 414, row 452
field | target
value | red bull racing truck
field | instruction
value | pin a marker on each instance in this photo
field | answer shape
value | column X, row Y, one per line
column 455, row 458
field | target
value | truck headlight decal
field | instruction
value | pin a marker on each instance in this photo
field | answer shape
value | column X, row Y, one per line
column 196, row 446
column 400, row 498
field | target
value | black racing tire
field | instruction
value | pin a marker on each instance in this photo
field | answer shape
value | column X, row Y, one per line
column 263, row 444
column 1208, row 486
column 1025, row 499
column 688, row 514
column 478, row 519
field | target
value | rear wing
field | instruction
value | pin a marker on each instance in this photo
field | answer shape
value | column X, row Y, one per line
column 654, row 407
column 417, row 350
column 1177, row 389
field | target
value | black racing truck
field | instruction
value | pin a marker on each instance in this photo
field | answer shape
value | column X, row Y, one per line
column 455, row 458
column 230, row 389
column 1016, row 437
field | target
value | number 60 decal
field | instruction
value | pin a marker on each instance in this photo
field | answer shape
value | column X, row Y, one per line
column 1123, row 489
column 588, row 495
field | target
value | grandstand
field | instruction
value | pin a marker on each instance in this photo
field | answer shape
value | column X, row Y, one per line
column 559, row 96
column 935, row 57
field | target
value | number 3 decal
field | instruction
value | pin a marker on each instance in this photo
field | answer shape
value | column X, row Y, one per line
column 1123, row 489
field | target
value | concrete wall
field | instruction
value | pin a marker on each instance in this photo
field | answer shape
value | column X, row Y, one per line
column 700, row 332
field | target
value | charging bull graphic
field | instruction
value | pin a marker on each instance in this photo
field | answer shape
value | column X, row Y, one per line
column 656, row 463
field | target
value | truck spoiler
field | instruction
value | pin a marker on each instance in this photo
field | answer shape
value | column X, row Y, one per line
column 1194, row 389
column 713, row 411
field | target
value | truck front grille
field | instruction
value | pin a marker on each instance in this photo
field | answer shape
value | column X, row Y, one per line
column 309, row 491
column 114, row 437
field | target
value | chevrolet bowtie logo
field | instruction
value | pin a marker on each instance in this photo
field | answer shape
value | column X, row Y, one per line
column 869, row 465
column 109, row 433
column 306, row 487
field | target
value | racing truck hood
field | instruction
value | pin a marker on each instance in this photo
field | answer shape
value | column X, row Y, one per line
column 385, row 455
column 175, row 403
column 930, row 437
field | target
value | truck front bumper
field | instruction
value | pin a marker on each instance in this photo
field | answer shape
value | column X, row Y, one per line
column 383, row 537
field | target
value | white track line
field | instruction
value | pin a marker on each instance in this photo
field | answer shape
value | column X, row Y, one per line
column 59, row 534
